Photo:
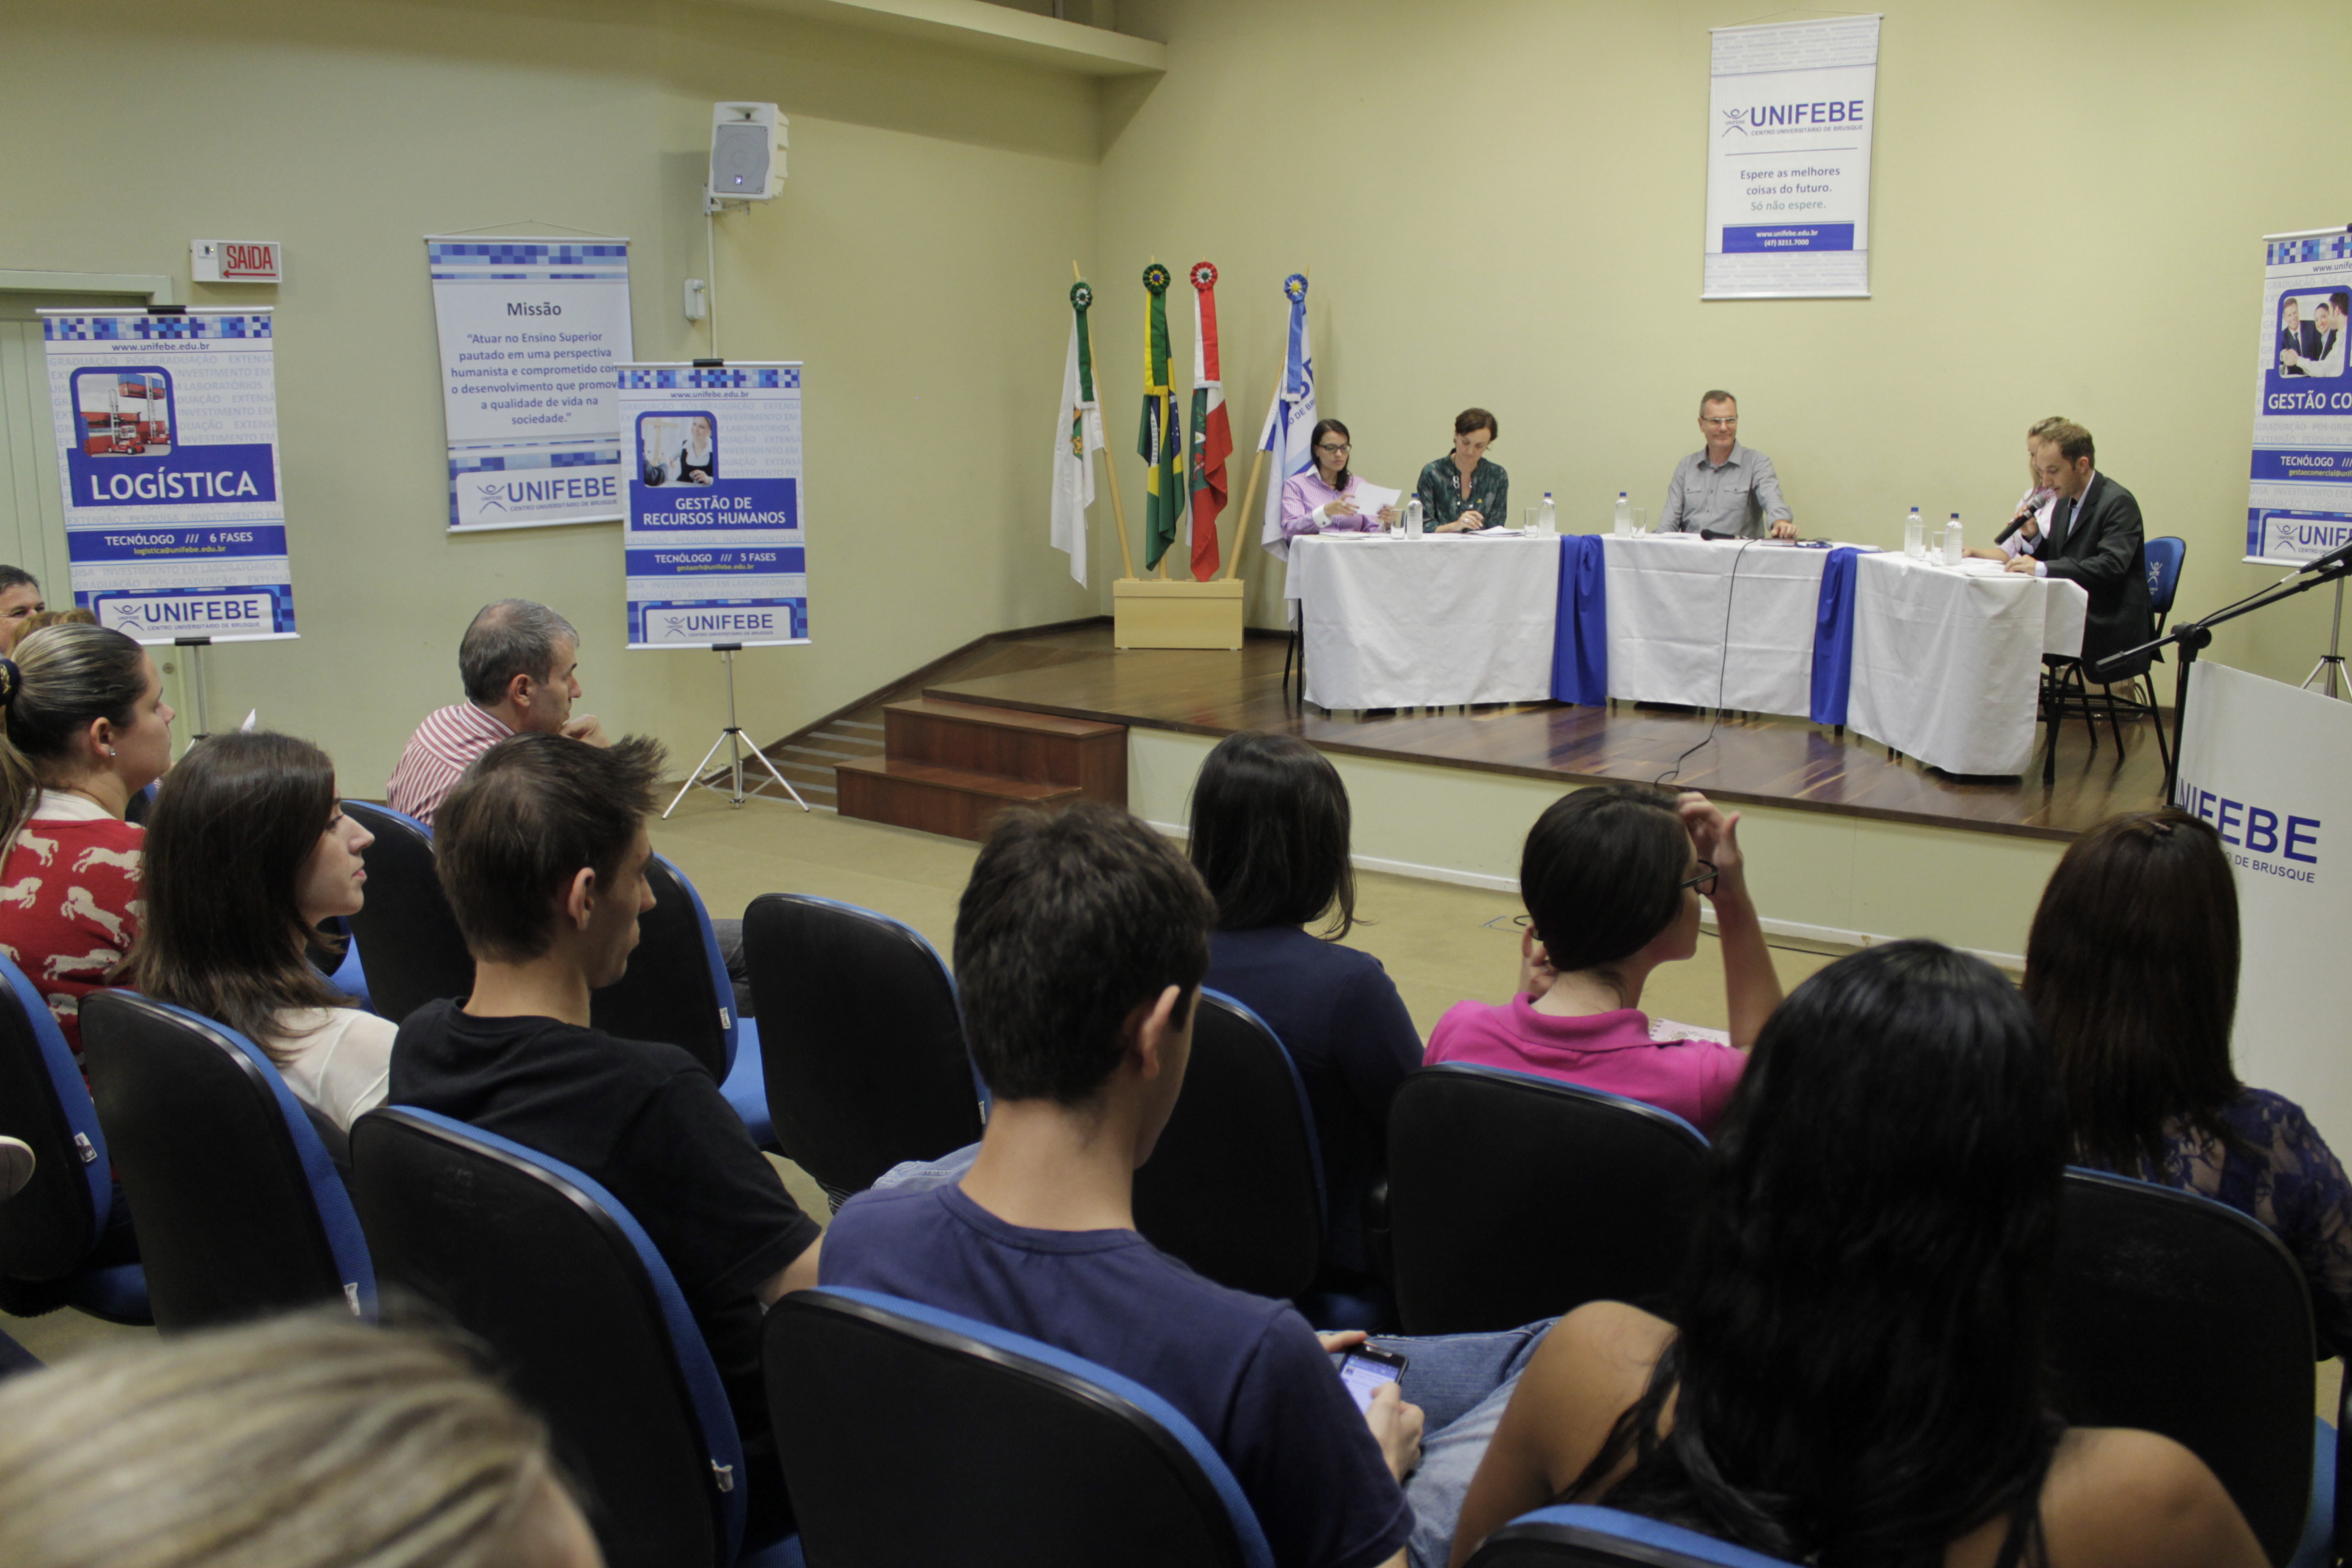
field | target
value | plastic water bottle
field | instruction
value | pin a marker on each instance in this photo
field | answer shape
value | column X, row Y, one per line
column 1952, row 541
column 1623, row 525
column 1914, row 536
column 1547, row 516
column 1412, row 518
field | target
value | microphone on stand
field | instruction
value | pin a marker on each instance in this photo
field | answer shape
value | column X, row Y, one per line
column 2339, row 556
column 2025, row 510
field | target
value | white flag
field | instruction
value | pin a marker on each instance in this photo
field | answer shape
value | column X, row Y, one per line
column 1077, row 436
column 1290, row 423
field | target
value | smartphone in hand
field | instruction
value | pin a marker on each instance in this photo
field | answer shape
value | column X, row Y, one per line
column 1365, row 1368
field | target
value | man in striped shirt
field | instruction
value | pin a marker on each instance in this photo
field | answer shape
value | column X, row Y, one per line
column 521, row 663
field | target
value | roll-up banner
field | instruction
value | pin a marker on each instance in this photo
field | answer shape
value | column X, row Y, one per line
column 167, row 429
column 716, row 537
column 1789, row 111
column 530, row 331
column 2270, row 766
column 2300, row 506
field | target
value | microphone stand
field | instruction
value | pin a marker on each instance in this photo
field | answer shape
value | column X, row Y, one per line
column 2197, row 635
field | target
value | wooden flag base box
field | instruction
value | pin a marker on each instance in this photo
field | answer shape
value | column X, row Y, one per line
column 1155, row 612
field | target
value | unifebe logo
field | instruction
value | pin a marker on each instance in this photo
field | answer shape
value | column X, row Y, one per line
column 1735, row 120
column 190, row 615
column 2264, row 839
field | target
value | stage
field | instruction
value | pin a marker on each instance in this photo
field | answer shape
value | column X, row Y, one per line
column 1849, row 845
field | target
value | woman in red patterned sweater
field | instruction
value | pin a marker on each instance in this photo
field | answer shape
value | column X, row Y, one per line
column 87, row 729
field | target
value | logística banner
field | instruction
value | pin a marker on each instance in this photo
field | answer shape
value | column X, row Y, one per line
column 2300, row 504
column 166, row 428
column 2270, row 767
column 1789, row 111
column 530, row 332
column 716, row 538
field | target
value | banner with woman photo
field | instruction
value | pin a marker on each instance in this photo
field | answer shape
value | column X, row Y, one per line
column 166, row 431
column 714, row 533
column 2300, row 506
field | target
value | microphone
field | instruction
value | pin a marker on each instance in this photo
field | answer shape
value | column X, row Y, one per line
column 2026, row 509
column 2341, row 555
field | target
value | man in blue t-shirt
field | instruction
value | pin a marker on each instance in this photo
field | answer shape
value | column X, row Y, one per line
column 1080, row 946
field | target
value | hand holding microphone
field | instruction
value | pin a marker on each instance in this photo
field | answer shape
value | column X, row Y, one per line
column 2026, row 509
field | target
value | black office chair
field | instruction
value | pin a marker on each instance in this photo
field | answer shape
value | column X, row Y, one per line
column 50, row 1230
column 240, row 1211
column 415, row 953
column 546, row 1267
column 1514, row 1197
column 919, row 1436
column 677, row 991
column 1577, row 1536
column 861, row 1038
column 1236, row 1186
column 2176, row 1314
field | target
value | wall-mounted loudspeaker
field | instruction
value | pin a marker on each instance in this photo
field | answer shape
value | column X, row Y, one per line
column 747, row 151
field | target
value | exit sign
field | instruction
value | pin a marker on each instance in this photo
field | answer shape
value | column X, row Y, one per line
column 236, row 261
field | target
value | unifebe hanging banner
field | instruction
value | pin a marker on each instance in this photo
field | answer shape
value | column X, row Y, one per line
column 166, row 431
column 715, row 537
column 1789, row 111
column 532, row 330
column 2300, row 506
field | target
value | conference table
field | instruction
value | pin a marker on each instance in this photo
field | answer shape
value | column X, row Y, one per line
column 1940, row 663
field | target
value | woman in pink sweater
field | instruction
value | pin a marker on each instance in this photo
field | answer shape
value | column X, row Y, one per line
column 1611, row 877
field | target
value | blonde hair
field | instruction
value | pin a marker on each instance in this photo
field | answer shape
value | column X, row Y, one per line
column 302, row 1442
column 75, row 615
column 67, row 677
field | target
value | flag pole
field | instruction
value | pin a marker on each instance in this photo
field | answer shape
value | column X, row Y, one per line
column 1257, row 463
column 1164, row 407
column 1126, row 555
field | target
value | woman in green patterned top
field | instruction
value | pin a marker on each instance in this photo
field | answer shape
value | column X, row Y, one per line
column 1461, row 492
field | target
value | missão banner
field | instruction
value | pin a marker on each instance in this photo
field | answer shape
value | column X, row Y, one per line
column 715, row 537
column 166, row 431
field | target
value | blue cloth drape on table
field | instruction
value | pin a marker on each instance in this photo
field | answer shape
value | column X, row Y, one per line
column 1834, row 638
column 1580, row 646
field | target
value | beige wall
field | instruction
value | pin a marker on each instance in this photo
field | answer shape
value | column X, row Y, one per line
column 1504, row 206
column 929, row 193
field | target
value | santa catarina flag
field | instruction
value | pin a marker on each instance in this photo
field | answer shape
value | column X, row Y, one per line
column 1160, row 442
column 1078, row 437
column 1213, row 434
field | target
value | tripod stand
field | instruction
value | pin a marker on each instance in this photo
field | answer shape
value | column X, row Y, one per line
column 731, row 737
column 2329, row 670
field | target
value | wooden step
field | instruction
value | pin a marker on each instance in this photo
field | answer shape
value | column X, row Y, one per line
column 957, row 802
column 1041, row 748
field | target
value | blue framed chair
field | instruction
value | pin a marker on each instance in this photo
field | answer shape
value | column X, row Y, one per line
column 51, row 1230
column 2176, row 1314
column 1579, row 1535
column 677, row 991
column 1514, row 1196
column 918, row 1435
column 862, row 1040
column 241, row 1211
column 588, row 1326
column 1235, row 1187
column 416, row 954
column 2164, row 557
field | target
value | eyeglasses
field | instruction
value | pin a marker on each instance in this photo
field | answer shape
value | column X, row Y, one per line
column 1704, row 881
column 1710, row 420
column 1334, row 450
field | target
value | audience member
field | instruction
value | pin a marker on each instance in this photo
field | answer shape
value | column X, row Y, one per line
column 1080, row 945
column 20, row 599
column 247, row 851
column 87, row 729
column 75, row 615
column 1611, row 877
column 1270, row 823
column 542, row 850
column 308, row 1442
column 2132, row 972
column 520, row 665
column 1854, row 1370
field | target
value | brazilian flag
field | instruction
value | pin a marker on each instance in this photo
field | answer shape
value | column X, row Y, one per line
column 1159, row 443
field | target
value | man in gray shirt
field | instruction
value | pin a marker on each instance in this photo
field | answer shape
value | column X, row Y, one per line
column 1727, row 488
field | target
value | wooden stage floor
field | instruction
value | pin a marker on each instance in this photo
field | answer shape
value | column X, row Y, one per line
column 1765, row 761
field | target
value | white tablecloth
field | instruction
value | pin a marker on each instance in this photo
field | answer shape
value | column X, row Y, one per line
column 1669, row 596
column 1947, row 663
column 1413, row 623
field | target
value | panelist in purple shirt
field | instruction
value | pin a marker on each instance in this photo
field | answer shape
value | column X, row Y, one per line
column 1323, row 500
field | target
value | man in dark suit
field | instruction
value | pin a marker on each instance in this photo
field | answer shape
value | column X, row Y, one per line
column 2093, row 539
column 2297, row 337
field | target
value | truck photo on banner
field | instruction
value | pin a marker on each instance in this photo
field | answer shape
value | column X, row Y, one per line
column 530, row 332
column 715, row 539
column 166, row 428
column 2300, row 506
column 1789, row 111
